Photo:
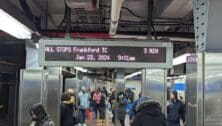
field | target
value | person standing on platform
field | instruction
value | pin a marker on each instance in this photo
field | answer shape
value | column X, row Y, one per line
column 175, row 110
column 83, row 104
column 122, row 101
column 148, row 113
column 132, row 112
column 105, row 91
column 39, row 116
column 67, row 110
column 111, row 99
column 97, row 99
column 102, row 108
column 129, row 94
column 112, row 107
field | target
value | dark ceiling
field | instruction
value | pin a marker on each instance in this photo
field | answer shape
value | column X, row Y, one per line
column 171, row 16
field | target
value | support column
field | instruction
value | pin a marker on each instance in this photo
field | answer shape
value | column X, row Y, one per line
column 154, row 85
column 191, row 90
column 120, row 81
column 120, row 87
column 208, row 29
column 32, row 56
column 55, row 86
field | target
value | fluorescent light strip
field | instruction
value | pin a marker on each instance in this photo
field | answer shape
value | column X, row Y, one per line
column 81, row 69
column 181, row 59
column 177, row 77
column 132, row 75
column 13, row 27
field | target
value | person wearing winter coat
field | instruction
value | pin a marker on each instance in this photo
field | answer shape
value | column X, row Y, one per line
column 113, row 107
column 132, row 112
column 67, row 110
column 102, row 106
column 175, row 110
column 122, row 101
column 149, row 113
column 40, row 116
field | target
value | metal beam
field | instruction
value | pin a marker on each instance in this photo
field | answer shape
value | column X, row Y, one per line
column 103, row 34
column 150, row 18
column 208, row 28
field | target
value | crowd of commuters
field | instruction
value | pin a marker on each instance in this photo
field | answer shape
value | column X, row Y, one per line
column 119, row 102
column 74, row 108
column 143, row 111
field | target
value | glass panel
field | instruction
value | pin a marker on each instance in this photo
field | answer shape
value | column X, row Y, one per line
column 213, row 89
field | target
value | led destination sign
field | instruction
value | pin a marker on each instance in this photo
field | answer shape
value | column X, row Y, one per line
column 105, row 54
column 99, row 53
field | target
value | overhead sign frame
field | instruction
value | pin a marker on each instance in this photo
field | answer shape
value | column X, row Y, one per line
column 107, row 43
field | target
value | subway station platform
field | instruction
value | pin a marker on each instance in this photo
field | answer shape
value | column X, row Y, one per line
column 107, row 122
column 155, row 47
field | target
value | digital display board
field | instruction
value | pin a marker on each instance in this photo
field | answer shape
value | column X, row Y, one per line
column 104, row 54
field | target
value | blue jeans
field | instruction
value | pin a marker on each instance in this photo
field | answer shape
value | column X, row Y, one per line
column 82, row 116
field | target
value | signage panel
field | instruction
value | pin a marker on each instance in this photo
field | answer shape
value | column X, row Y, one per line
column 98, row 53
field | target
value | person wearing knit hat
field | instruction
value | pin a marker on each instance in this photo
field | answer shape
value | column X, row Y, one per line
column 149, row 113
column 175, row 110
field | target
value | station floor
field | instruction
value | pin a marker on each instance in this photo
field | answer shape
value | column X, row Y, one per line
column 108, row 121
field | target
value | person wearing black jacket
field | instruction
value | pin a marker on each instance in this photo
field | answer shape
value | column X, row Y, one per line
column 102, row 107
column 112, row 102
column 67, row 118
column 175, row 110
column 149, row 113
column 122, row 101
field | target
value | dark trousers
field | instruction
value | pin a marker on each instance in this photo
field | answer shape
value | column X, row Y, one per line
column 102, row 112
column 113, row 119
column 122, row 122
column 82, row 116
column 96, row 109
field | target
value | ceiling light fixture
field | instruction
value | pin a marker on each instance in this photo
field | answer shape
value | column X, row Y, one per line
column 132, row 75
column 181, row 59
column 81, row 69
column 13, row 27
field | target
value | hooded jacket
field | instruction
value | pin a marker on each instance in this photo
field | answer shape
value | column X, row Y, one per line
column 175, row 112
column 149, row 114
